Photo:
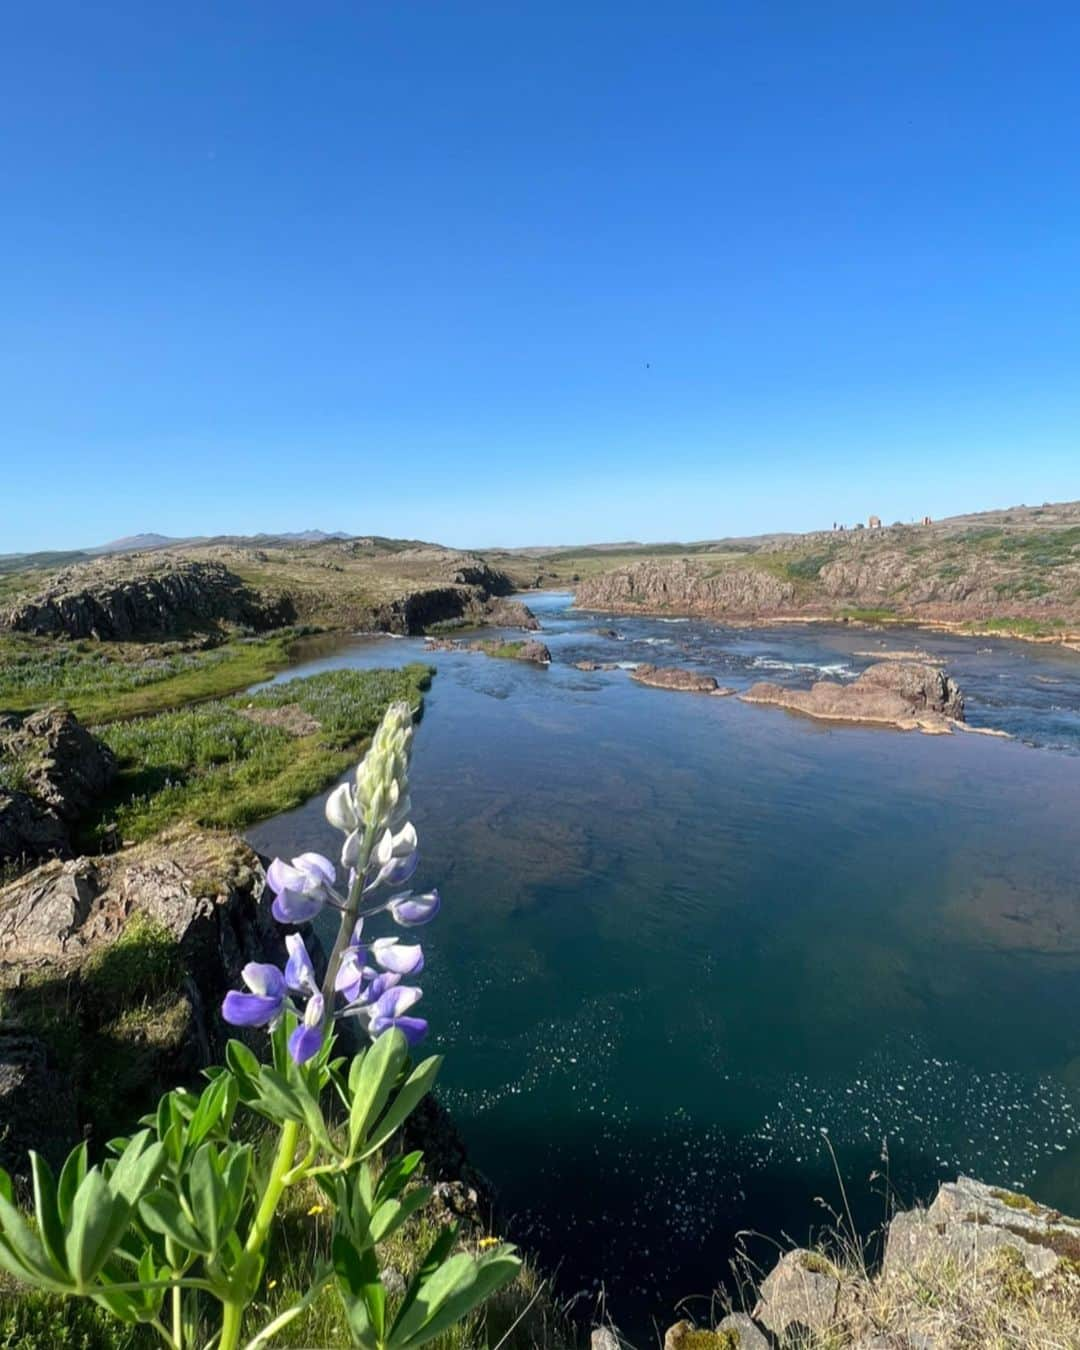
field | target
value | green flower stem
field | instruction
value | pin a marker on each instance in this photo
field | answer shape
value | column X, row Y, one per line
column 348, row 919
column 177, row 1296
column 233, row 1310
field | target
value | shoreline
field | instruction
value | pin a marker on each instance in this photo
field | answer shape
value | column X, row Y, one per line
column 1069, row 639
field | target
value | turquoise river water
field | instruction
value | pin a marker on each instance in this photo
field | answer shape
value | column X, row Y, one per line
column 688, row 943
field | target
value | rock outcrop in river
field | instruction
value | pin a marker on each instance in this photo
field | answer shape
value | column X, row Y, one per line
column 675, row 677
column 906, row 695
column 159, row 597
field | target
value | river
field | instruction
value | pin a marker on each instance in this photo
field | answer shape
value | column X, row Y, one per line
column 691, row 948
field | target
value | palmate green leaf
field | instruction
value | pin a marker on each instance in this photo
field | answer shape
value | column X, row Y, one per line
column 396, row 1176
column 454, row 1275
column 391, row 1214
column 278, row 1097
column 436, row 1255
column 160, row 1211
column 71, row 1177
column 235, row 1173
column 242, row 1061
column 6, row 1188
column 47, row 1213
column 215, row 1108
column 98, row 1219
column 138, row 1167
column 372, row 1082
column 490, row 1273
column 21, row 1253
column 206, row 1188
column 416, row 1087
column 361, row 1290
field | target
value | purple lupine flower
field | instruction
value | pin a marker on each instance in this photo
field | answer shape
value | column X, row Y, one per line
column 352, row 970
column 368, row 989
column 299, row 970
column 410, row 911
column 400, row 958
column 306, row 1039
column 266, row 1002
column 300, row 887
column 389, row 1011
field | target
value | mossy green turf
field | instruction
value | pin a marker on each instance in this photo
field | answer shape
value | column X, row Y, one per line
column 212, row 765
column 106, row 682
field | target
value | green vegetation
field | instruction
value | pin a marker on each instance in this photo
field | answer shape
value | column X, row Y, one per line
column 519, row 1317
column 1026, row 628
column 216, row 765
column 507, row 651
column 106, row 682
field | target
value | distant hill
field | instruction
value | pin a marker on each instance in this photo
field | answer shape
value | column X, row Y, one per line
column 133, row 543
column 141, row 543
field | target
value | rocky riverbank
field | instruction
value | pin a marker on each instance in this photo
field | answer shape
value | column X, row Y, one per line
column 1025, row 585
column 162, row 597
column 981, row 1267
column 348, row 585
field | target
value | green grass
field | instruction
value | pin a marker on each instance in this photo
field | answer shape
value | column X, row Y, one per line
column 1028, row 628
column 106, row 682
column 210, row 765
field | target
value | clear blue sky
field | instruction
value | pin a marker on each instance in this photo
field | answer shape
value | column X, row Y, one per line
column 531, row 271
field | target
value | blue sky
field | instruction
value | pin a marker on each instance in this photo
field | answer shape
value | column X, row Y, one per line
column 534, row 272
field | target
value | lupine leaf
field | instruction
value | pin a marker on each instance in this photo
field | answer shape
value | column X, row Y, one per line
column 235, row 1176
column 21, row 1246
column 6, row 1188
column 397, row 1174
column 354, row 1276
column 98, row 1218
column 391, row 1214
column 212, row 1107
column 491, row 1273
column 437, row 1253
column 452, row 1277
column 417, row 1086
column 161, row 1213
column 279, row 1096
column 375, row 1080
column 71, row 1176
column 138, row 1167
column 207, row 1191
column 46, row 1209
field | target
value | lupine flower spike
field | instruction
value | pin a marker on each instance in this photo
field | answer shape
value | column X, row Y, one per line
column 364, row 976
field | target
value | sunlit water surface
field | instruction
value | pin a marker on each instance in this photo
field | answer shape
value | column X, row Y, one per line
column 685, row 940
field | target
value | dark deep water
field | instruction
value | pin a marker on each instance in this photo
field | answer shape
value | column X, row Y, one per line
column 684, row 937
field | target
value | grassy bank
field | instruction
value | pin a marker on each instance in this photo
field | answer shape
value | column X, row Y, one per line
column 228, row 763
column 106, row 682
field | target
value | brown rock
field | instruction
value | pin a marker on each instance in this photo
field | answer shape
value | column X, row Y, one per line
column 898, row 694
column 969, row 1220
column 674, row 677
column 800, row 1296
column 138, row 949
column 686, row 588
